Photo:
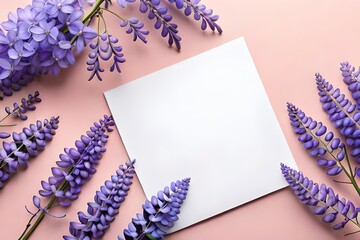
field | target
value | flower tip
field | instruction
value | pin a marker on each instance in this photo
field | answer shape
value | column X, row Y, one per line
column 130, row 163
column 344, row 63
column 36, row 201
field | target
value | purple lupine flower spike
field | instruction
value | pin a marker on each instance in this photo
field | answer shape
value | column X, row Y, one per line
column 20, row 110
column 136, row 28
column 105, row 207
column 26, row 105
column 104, row 49
column 77, row 165
column 200, row 13
column 75, row 168
column 159, row 214
column 25, row 144
column 319, row 142
column 350, row 78
column 321, row 199
column 343, row 113
column 163, row 19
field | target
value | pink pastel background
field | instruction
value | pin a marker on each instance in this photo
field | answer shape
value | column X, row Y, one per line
column 289, row 41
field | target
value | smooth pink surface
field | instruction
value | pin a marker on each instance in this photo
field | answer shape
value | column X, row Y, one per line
column 289, row 41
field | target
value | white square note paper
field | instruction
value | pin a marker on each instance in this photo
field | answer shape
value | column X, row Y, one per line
column 207, row 118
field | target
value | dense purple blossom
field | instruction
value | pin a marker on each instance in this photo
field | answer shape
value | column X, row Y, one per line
column 84, row 34
column 41, row 38
column 21, row 49
column 77, row 164
column 105, row 207
column 75, row 168
column 200, row 13
column 350, row 78
column 160, row 213
column 57, row 7
column 320, row 143
column 321, row 199
column 46, row 33
column 343, row 113
column 26, row 144
column 163, row 19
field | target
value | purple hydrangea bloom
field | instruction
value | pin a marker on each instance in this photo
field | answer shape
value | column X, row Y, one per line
column 60, row 57
column 200, row 13
column 20, row 49
column 321, row 199
column 25, row 144
column 46, row 33
column 71, row 20
column 159, row 214
column 84, row 34
column 30, row 16
column 319, row 142
column 39, row 39
column 105, row 207
column 57, row 7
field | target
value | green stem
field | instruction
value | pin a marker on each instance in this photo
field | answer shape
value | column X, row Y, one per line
column 29, row 223
column 7, row 125
column 5, row 117
column 113, row 13
column 351, row 174
column 89, row 16
column 42, row 214
column 93, row 11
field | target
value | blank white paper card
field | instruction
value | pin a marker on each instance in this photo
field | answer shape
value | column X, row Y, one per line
column 207, row 118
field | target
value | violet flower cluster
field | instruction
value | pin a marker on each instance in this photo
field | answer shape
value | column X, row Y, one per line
column 350, row 78
column 330, row 152
column 200, row 12
column 160, row 213
column 104, row 49
column 19, row 111
column 105, row 207
column 343, row 113
column 42, row 37
column 320, row 143
column 75, row 168
column 155, row 11
column 26, row 144
column 321, row 199
column 162, row 20
column 39, row 39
